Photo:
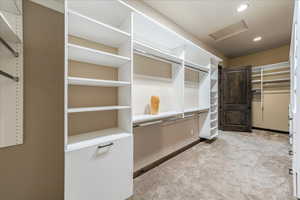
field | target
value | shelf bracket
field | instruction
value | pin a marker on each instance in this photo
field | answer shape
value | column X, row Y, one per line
column 15, row 53
column 7, row 75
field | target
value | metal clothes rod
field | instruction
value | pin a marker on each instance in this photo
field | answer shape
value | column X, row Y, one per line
column 140, row 52
column 7, row 75
column 195, row 69
column 276, row 81
column 16, row 54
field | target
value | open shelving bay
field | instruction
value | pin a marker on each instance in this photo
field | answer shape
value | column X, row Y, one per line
column 109, row 47
column 191, row 84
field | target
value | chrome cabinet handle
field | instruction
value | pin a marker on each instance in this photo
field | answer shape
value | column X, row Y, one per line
column 107, row 145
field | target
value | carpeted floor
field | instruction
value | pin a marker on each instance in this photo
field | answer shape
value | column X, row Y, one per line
column 236, row 166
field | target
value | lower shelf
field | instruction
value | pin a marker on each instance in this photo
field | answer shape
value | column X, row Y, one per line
column 84, row 140
column 148, row 117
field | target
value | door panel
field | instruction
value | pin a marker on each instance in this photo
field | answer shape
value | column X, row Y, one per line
column 236, row 99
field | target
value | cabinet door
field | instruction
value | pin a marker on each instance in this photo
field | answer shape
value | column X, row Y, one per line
column 102, row 172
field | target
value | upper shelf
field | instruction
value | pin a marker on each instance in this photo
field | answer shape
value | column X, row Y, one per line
column 149, row 31
column 10, row 6
column 152, row 51
column 113, row 13
column 6, row 31
column 96, row 57
column 92, row 30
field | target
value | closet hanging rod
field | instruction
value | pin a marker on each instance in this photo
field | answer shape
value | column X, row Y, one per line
column 143, row 53
column 7, row 75
column 148, row 123
column 276, row 81
column 272, row 73
column 195, row 69
column 16, row 54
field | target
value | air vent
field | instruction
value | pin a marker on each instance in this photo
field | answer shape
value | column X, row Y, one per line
column 229, row 31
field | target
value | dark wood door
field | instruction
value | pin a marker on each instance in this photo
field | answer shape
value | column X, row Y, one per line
column 236, row 113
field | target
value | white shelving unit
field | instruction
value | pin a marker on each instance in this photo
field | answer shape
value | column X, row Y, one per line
column 11, row 73
column 102, row 158
column 294, row 108
column 99, row 142
column 11, row 6
column 7, row 31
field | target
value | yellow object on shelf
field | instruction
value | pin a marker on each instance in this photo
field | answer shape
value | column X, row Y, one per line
column 154, row 105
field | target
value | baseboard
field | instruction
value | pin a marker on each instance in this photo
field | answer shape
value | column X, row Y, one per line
column 165, row 158
column 272, row 130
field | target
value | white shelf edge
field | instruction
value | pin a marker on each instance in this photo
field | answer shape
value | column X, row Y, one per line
column 148, row 117
column 95, row 109
column 90, row 50
column 94, row 138
column 96, row 82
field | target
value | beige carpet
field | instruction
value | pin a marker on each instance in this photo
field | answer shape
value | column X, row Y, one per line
column 236, row 166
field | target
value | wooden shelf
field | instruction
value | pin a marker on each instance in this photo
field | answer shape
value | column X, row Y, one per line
column 95, row 109
column 147, row 49
column 6, row 31
column 92, row 30
column 96, row 82
column 83, row 54
column 95, row 138
column 196, row 110
column 10, row 6
column 148, row 117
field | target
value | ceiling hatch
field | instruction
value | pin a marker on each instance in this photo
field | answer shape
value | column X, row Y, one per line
column 229, row 31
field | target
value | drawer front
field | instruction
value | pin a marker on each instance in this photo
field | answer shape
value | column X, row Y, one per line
column 104, row 173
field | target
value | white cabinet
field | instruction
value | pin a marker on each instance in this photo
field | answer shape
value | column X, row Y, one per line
column 102, row 171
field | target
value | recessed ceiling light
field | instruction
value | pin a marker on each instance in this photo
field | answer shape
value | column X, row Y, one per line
column 242, row 7
column 256, row 39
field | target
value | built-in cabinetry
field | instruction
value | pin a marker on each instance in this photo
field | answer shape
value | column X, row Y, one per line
column 108, row 90
column 294, row 114
column 11, row 73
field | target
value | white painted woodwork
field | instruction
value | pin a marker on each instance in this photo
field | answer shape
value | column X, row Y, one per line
column 11, row 92
column 7, row 30
column 95, row 109
column 11, row 6
column 104, row 173
column 96, row 82
column 84, row 140
column 92, row 30
column 88, row 55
